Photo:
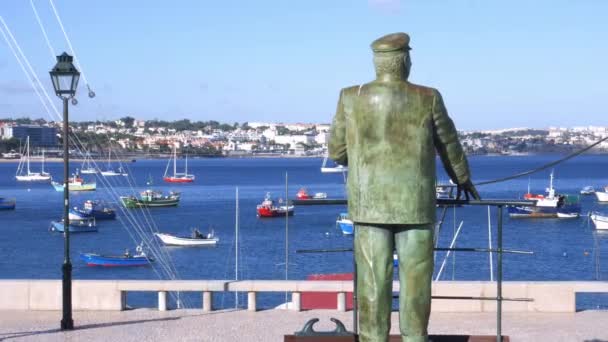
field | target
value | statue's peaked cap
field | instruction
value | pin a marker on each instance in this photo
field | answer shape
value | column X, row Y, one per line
column 392, row 42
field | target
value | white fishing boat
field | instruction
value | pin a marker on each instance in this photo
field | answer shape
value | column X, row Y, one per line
column 24, row 173
column 600, row 221
column 332, row 169
column 113, row 172
column 196, row 239
column 602, row 196
column 588, row 190
column 86, row 167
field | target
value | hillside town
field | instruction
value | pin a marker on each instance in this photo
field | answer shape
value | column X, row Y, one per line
column 211, row 138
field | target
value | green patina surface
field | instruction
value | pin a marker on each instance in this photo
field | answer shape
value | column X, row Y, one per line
column 387, row 131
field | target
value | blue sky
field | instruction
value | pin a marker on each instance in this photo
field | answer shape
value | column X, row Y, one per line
column 497, row 63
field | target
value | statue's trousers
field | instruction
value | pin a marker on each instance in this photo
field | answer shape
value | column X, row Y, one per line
column 374, row 245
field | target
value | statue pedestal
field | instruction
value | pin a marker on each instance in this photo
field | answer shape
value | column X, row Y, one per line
column 394, row 338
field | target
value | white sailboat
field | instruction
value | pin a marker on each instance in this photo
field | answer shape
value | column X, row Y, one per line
column 24, row 174
column 86, row 167
column 111, row 172
column 178, row 177
column 335, row 169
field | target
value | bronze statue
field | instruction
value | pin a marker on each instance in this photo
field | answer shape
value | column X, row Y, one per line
column 387, row 132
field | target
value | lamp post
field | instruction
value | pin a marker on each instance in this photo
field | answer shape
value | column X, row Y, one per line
column 65, row 80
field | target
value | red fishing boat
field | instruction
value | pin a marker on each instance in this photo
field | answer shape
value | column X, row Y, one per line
column 303, row 194
column 268, row 209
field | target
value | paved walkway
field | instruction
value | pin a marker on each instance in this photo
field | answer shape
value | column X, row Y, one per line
column 242, row 326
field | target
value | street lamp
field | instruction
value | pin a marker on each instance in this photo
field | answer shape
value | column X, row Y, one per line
column 65, row 80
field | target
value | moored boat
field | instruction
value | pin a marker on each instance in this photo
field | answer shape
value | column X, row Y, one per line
column 332, row 169
column 125, row 260
column 76, row 184
column 268, row 209
column 92, row 209
column 195, row 239
column 549, row 205
column 24, row 174
column 110, row 171
column 7, row 203
column 177, row 177
column 303, row 194
column 151, row 199
column 345, row 224
column 86, row 168
column 602, row 196
column 588, row 190
column 75, row 226
column 599, row 220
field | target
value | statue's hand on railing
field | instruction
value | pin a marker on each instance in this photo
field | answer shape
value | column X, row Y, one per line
column 468, row 189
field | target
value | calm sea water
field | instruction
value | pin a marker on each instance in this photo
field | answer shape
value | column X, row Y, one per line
column 563, row 249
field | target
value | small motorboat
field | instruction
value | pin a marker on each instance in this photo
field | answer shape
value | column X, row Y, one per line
column 92, row 209
column 567, row 215
column 125, row 260
column 320, row 195
column 7, row 203
column 599, row 220
column 268, row 209
column 303, row 194
column 588, row 190
column 195, row 239
column 76, row 226
column 345, row 224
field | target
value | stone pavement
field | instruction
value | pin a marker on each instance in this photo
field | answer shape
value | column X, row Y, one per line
column 270, row 325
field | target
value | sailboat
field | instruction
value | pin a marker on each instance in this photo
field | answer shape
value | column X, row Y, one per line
column 24, row 174
column 177, row 177
column 111, row 172
column 86, row 167
column 335, row 169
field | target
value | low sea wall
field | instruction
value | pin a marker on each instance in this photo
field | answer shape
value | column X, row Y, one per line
column 548, row 296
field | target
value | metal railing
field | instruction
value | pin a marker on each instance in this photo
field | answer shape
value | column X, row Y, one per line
column 500, row 204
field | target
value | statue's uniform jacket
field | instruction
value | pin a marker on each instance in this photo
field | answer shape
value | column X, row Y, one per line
column 387, row 133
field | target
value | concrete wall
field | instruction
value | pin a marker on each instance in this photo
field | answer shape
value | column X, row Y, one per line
column 558, row 296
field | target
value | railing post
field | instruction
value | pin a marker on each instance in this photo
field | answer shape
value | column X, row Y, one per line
column 162, row 300
column 207, row 301
column 296, row 300
column 251, row 301
column 341, row 301
column 499, row 276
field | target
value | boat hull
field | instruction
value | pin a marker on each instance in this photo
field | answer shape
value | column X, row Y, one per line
column 88, row 171
column 600, row 222
column 346, row 226
column 171, row 240
column 131, row 202
column 114, row 261
column 178, row 179
column 7, row 203
column 568, row 210
column 274, row 212
column 334, row 169
column 79, row 214
column 34, row 178
column 58, row 226
column 602, row 196
column 75, row 187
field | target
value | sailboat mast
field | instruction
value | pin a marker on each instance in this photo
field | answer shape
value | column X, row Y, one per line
column 42, row 162
column 236, row 248
column 27, row 149
column 174, row 160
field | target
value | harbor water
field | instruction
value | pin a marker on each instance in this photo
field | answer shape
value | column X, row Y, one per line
column 564, row 249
